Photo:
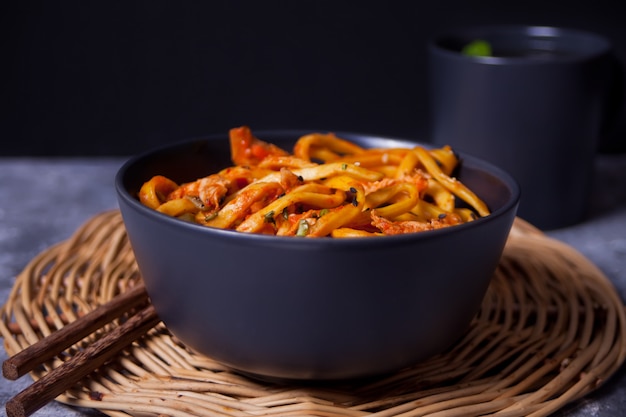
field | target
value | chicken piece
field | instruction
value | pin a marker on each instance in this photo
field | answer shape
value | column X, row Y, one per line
column 418, row 178
column 208, row 190
column 389, row 227
column 248, row 150
column 289, row 180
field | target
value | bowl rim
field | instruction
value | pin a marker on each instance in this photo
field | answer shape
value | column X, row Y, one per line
column 250, row 238
column 592, row 44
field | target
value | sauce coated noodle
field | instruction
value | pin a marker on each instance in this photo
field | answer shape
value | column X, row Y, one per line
column 327, row 186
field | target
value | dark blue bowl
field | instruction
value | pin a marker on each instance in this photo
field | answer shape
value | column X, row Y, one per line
column 312, row 309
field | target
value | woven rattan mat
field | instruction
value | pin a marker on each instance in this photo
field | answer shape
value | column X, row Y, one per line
column 551, row 329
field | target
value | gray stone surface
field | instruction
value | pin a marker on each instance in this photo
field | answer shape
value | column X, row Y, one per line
column 43, row 201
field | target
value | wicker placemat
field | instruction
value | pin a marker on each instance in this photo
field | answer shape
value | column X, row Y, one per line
column 551, row 329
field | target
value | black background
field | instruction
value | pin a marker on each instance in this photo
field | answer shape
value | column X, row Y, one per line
column 119, row 77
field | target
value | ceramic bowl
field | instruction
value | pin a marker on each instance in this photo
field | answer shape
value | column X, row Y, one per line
column 312, row 309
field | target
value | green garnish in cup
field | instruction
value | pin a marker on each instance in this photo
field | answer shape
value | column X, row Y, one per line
column 478, row 47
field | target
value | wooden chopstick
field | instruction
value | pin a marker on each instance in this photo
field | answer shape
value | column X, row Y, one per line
column 80, row 365
column 50, row 346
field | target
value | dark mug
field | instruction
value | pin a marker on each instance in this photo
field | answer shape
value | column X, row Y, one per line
column 536, row 107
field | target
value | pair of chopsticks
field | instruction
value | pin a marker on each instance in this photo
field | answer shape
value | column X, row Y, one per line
column 58, row 380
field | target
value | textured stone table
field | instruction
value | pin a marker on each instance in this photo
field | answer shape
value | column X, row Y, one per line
column 43, row 201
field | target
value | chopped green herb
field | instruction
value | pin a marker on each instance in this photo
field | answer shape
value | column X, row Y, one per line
column 211, row 216
column 344, row 166
column 303, row 228
column 323, row 212
column 479, row 47
column 269, row 217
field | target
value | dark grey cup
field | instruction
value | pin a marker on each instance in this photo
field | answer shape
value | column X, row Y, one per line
column 312, row 309
column 536, row 108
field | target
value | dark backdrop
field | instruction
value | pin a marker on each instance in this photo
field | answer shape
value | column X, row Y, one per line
column 118, row 77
